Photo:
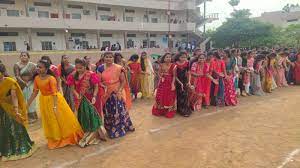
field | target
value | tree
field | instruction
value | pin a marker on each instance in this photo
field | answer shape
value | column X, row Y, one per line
column 234, row 3
column 241, row 31
column 243, row 13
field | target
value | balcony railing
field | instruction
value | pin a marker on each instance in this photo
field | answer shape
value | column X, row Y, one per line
column 90, row 24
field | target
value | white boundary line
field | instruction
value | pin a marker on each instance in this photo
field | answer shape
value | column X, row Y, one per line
column 155, row 130
column 102, row 150
column 289, row 158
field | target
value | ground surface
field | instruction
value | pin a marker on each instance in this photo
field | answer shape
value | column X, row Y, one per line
column 262, row 132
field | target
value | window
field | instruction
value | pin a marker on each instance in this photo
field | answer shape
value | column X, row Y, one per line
column 85, row 44
column 75, row 6
column 54, row 15
column 152, row 12
column 152, row 35
column 145, row 43
column 104, row 9
column 9, row 33
column 106, row 43
column 47, row 45
column 13, row 13
column 42, row 4
column 104, row 17
column 129, row 19
column 183, row 35
column 43, row 14
column 9, row 46
column 152, row 44
column 154, row 20
column 292, row 20
column 9, row 2
column 86, row 12
column 78, row 35
column 131, row 35
column 129, row 11
column 45, row 34
column 76, row 16
column 106, row 35
column 130, row 43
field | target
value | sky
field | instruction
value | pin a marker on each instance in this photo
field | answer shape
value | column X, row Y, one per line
column 257, row 7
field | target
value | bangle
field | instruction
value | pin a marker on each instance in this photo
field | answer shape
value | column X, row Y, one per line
column 16, row 106
column 54, row 107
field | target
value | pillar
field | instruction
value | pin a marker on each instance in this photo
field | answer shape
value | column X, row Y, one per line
column 29, row 38
column 26, row 8
column 98, row 40
column 125, row 40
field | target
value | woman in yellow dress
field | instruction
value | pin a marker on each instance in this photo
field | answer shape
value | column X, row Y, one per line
column 147, row 76
column 15, row 142
column 60, row 125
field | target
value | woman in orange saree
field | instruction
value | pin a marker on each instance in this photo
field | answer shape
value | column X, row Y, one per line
column 135, row 71
column 117, row 121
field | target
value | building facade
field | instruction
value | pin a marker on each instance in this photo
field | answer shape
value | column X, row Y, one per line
column 94, row 24
column 281, row 18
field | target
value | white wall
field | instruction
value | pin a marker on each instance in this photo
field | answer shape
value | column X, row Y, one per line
column 18, row 39
column 58, row 39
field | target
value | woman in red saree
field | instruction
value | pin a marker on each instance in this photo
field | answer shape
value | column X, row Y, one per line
column 296, row 67
column 201, row 71
column 165, row 99
column 135, row 70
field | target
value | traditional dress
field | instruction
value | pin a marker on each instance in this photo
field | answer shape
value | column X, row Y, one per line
column 65, row 88
column 297, row 72
column 165, row 99
column 217, row 91
column 183, row 105
column 230, row 94
column 256, row 80
column 147, row 80
column 89, row 115
column 15, row 142
column 26, row 72
column 268, row 79
column 280, row 72
column 135, row 82
column 201, row 84
column 156, row 76
column 116, row 117
column 61, row 128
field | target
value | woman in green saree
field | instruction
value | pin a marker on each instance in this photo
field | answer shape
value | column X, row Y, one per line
column 15, row 142
column 24, row 72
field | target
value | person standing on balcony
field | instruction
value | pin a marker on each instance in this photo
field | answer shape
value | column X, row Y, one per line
column 24, row 72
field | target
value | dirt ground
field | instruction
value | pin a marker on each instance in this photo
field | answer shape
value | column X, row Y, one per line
column 262, row 132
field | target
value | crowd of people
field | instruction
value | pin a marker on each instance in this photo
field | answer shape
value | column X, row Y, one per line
column 83, row 103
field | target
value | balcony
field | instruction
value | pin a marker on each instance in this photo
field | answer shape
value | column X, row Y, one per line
column 44, row 23
column 149, row 4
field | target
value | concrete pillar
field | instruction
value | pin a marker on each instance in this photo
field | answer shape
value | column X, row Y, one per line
column 26, row 8
column 98, row 40
column 148, row 40
column 29, row 38
column 125, row 40
column 66, row 39
column 96, row 12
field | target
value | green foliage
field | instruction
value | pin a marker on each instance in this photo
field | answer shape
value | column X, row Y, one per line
column 243, row 13
column 288, row 7
column 234, row 3
column 242, row 31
